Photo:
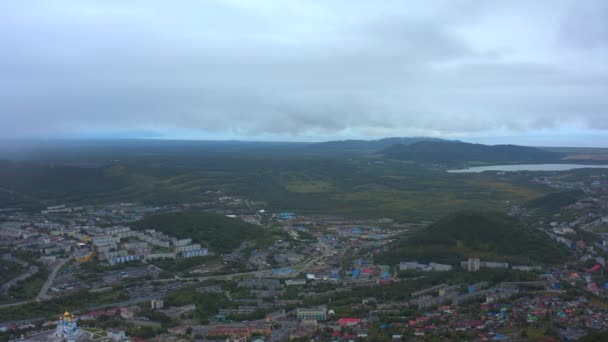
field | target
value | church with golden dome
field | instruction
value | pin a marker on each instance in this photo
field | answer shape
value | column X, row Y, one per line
column 67, row 328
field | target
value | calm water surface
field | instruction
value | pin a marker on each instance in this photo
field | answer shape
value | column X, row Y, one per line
column 528, row 167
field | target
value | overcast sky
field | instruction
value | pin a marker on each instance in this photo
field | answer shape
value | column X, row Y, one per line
column 532, row 72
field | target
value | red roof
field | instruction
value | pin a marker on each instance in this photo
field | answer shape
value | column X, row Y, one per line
column 475, row 323
column 107, row 312
column 349, row 320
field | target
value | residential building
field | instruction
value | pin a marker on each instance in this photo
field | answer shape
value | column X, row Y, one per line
column 295, row 282
column 116, row 334
column 472, row 265
column 157, row 304
column 318, row 313
column 83, row 256
column 440, row 267
column 492, row 264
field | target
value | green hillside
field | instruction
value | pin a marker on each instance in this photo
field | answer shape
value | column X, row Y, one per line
column 283, row 176
column 553, row 202
column 459, row 152
column 220, row 233
column 30, row 184
column 488, row 235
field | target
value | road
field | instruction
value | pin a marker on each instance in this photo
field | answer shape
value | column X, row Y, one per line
column 249, row 205
column 15, row 304
column 307, row 264
column 42, row 295
column 302, row 267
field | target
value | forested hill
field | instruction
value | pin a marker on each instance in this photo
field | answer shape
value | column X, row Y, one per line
column 365, row 145
column 457, row 152
column 554, row 202
column 492, row 236
column 220, row 233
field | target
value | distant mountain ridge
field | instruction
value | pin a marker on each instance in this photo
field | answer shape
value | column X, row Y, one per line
column 369, row 145
column 456, row 151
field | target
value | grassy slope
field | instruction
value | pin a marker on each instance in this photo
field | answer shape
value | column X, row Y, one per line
column 489, row 235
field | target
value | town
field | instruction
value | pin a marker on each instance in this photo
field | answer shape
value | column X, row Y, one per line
column 322, row 281
column 327, row 171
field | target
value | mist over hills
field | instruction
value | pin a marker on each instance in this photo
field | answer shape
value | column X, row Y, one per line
column 422, row 149
column 452, row 152
column 335, row 176
column 368, row 145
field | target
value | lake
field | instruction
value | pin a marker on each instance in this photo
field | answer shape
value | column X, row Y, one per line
column 527, row 167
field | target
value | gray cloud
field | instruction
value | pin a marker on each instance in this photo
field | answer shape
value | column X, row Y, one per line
column 297, row 68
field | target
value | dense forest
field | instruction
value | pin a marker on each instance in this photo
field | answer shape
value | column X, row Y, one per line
column 555, row 201
column 489, row 235
column 220, row 233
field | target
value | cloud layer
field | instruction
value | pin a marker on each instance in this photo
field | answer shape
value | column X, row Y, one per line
column 301, row 68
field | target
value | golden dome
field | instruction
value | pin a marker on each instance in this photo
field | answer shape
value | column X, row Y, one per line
column 66, row 314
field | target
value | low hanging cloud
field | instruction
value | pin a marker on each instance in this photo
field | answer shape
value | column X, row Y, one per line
column 296, row 68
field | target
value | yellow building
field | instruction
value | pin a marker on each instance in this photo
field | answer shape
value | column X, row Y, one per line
column 83, row 257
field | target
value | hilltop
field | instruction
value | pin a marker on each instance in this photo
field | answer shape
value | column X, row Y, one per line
column 367, row 145
column 488, row 235
column 220, row 233
column 460, row 152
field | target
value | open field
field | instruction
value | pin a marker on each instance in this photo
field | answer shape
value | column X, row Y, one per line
column 307, row 186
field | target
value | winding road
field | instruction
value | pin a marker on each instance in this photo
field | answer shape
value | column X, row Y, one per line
column 42, row 295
